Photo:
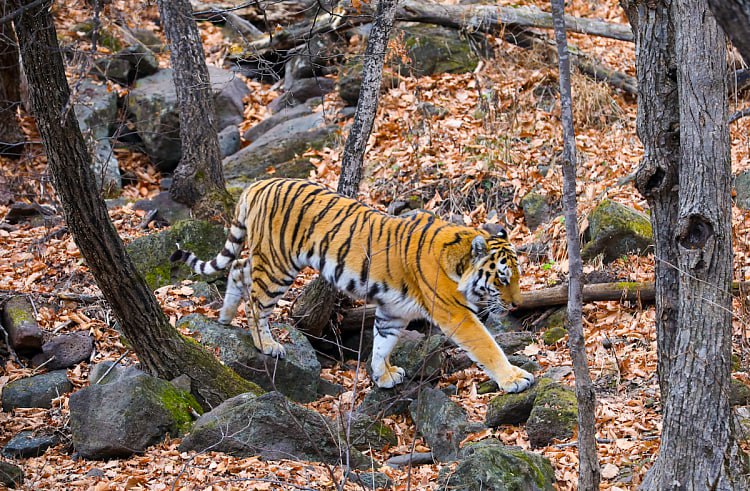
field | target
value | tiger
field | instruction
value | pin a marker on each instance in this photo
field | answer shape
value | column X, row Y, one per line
column 416, row 267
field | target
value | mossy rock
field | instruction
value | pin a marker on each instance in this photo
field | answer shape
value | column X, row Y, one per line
column 554, row 415
column 553, row 335
column 536, row 210
column 435, row 49
column 514, row 408
column 367, row 432
column 739, row 393
column 421, row 357
column 490, row 465
column 742, row 190
column 103, row 36
column 10, row 475
column 151, row 253
column 616, row 230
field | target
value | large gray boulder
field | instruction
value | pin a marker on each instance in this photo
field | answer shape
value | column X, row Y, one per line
column 443, row 423
column 153, row 105
column 287, row 113
column 281, row 148
column 615, row 230
column 96, row 110
column 296, row 375
column 151, row 252
column 128, row 415
column 272, row 427
column 514, row 408
column 554, row 415
column 36, row 391
column 490, row 465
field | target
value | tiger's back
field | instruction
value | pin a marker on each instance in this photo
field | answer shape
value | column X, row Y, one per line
column 414, row 267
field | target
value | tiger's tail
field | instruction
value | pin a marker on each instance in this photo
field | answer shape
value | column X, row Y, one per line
column 232, row 248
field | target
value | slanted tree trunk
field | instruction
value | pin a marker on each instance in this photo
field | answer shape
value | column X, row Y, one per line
column 160, row 348
column 589, row 474
column 734, row 17
column 198, row 181
column 11, row 136
column 314, row 307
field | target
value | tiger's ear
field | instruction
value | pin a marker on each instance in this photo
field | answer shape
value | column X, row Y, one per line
column 495, row 230
column 478, row 248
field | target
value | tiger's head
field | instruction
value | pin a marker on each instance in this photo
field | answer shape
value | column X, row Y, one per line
column 491, row 278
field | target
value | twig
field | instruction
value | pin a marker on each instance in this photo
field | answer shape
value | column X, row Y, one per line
column 117, row 362
column 73, row 297
column 414, row 458
column 739, row 114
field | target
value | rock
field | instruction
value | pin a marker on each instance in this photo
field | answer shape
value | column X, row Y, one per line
column 113, row 68
column 254, row 132
column 742, row 190
column 490, row 465
column 512, row 342
column 366, row 432
column 65, row 351
column 435, row 49
column 36, row 391
column 149, row 39
column 153, row 105
column 443, row 423
column 270, row 426
column 96, row 110
column 739, row 393
column 26, row 444
column 151, row 252
column 516, row 360
column 371, row 480
column 167, row 209
column 104, row 37
column 141, row 59
column 307, row 88
column 28, row 212
column 554, row 415
column 10, row 475
column 553, row 335
column 229, row 141
column 19, row 321
column 536, row 210
column 387, row 402
column 615, row 230
column 128, row 415
column 107, row 372
column 421, row 357
column 513, row 408
column 280, row 148
column 296, row 375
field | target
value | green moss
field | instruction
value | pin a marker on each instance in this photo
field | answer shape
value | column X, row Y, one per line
column 179, row 404
column 18, row 315
column 553, row 335
column 104, row 37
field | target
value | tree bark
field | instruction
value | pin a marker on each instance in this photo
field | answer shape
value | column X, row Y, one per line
column 589, row 474
column 734, row 18
column 11, row 136
column 314, row 307
column 160, row 348
column 198, row 181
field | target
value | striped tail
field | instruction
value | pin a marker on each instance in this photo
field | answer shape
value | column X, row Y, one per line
column 232, row 249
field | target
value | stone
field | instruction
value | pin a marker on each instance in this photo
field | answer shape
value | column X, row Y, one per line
column 10, row 475
column 387, row 402
column 26, row 444
column 150, row 253
column 296, row 375
column 127, row 415
column 272, row 427
column 554, row 415
column 366, row 432
column 536, row 210
column 149, row 39
column 422, row 357
column 107, row 372
column 27, row 212
column 442, row 423
column 36, row 391
column 229, row 141
column 65, row 351
column 167, row 209
column 739, row 393
column 285, row 114
column 616, row 230
column 19, row 321
column 96, row 111
column 742, row 190
column 307, row 88
column 371, row 480
column 513, row 409
column 553, row 335
column 141, row 59
column 490, row 465
column 152, row 102
column 514, row 341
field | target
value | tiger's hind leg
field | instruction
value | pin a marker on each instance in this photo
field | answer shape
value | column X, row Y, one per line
column 387, row 331
column 238, row 284
column 265, row 292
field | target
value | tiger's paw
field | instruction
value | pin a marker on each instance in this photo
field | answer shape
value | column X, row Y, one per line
column 274, row 348
column 519, row 381
column 391, row 378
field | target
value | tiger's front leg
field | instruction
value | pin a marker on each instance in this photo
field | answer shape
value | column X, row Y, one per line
column 387, row 331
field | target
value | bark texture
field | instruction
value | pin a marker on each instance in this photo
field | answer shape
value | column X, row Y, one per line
column 11, row 136
column 734, row 18
column 160, row 348
column 198, row 181
column 589, row 473
column 314, row 307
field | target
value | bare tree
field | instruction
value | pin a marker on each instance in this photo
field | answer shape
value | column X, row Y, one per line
column 160, row 348
column 11, row 136
column 199, row 179
column 314, row 307
column 589, row 474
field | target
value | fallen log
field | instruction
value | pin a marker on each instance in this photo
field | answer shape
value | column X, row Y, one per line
column 555, row 296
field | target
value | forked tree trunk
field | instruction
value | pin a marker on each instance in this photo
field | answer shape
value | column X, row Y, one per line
column 198, row 181
column 160, row 348
column 314, row 307
column 11, row 136
column 589, row 474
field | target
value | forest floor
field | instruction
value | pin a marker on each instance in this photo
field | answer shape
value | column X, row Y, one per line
column 500, row 129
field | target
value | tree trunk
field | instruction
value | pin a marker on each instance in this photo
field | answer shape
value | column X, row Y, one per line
column 314, row 307
column 198, row 181
column 589, row 474
column 160, row 348
column 734, row 18
column 11, row 136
